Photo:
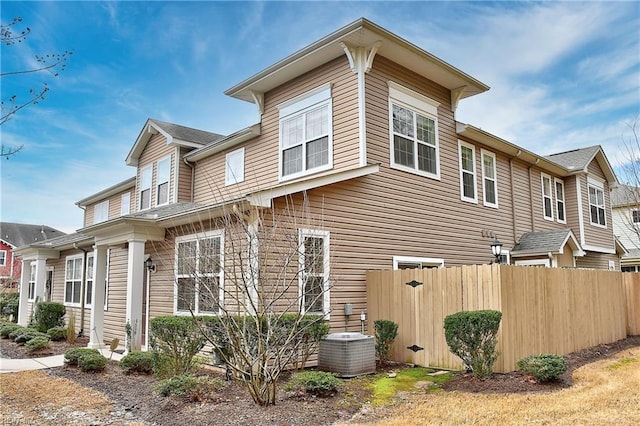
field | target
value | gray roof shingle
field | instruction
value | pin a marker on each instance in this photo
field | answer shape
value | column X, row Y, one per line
column 576, row 159
column 624, row 195
column 201, row 137
column 540, row 242
column 20, row 234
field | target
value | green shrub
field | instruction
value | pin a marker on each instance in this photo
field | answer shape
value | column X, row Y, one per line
column 190, row 387
column 318, row 383
column 472, row 336
column 9, row 305
column 72, row 355
column 386, row 333
column 49, row 315
column 39, row 342
column 57, row 334
column 90, row 362
column 543, row 367
column 28, row 334
column 137, row 362
column 175, row 341
column 7, row 329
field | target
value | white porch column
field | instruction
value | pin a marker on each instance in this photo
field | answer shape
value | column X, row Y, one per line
column 41, row 278
column 23, row 304
column 135, row 275
column 96, row 328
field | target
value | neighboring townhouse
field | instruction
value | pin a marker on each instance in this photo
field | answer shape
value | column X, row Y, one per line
column 625, row 209
column 358, row 131
column 13, row 235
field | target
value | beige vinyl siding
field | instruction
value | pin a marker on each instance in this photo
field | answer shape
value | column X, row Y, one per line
column 571, row 205
column 565, row 260
column 156, row 149
column 595, row 235
column 261, row 153
column 161, row 284
column 115, row 205
column 115, row 315
column 521, row 200
column 184, row 178
column 598, row 260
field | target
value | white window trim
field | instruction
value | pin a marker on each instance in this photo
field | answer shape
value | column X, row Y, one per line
column 423, row 261
column 416, row 102
column 126, row 196
column 544, row 176
column 473, row 172
column 557, row 181
column 32, row 281
column 599, row 186
column 143, row 170
column 533, row 262
column 326, row 297
column 631, row 221
column 4, row 257
column 102, row 205
column 196, row 237
column 315, row 98
column 82, row 272
column 168, row 180
column 232, row 177
column 507, row 254
column 90, row 277
column 483, row 152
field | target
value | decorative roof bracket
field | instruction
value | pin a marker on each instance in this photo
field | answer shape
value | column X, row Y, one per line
column 361, row 58
column 456, row 94
column 258, row 99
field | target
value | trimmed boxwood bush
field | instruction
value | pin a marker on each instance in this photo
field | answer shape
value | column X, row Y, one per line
column 57, row 333
column 48, row 315
column 543, row 367
column 28, row 334
column 90, row 362
column 386, row 333
column 137, row 362
column 39, row 342
column 7, row 329
column 72, row 355
column 472, row 336
column 319, row 383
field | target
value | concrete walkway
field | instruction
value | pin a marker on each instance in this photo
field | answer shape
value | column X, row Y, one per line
column 13, row 365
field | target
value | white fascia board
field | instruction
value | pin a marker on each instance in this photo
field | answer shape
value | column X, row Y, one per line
column 225, row 143
column 264, row 198
column 599, row 249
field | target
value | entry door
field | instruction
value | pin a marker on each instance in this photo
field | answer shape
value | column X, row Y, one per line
column 145, row 307
column 48, row 287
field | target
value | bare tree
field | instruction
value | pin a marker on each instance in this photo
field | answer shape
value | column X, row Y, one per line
column 265, row 281
column 51, row 63
column 626, row 198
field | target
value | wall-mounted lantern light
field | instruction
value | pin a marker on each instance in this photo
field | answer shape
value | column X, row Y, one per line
column 149, row 265
column 496, row 248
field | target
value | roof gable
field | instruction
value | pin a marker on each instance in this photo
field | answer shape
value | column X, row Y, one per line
column 543, row 242
column 20, row 234
column 578, row 160
column 175, row 135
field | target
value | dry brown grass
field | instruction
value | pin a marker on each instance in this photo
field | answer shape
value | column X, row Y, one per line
column 34, row 397
column 606, row 392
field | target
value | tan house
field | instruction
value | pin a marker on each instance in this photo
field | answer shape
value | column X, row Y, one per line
column 360, row 127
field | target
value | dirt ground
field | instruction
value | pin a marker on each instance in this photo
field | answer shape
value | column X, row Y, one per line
column 111, row 397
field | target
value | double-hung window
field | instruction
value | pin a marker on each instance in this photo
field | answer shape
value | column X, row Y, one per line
column 32, row 282
column 88, row 293
column 314, row 271
column 413, row 132
column 125, row 203
column 306, row 142
column 409, row 262
column 560, row 208
column 635, row 216
column 547, row 202
column 101, row 212
column 73, row 280
column 489, row 179
column 234, row 167
column 3, row 257
column 162, row 187
column 467, row 172
column 596, row 204
column 200, row 273
column 145, row 187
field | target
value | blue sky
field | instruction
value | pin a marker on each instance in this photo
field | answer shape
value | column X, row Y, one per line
column 562, row 74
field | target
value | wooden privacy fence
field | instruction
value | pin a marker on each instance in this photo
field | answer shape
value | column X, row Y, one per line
column 544, row 310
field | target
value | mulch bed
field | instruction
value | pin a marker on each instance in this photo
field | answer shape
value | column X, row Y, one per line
column 11, row 350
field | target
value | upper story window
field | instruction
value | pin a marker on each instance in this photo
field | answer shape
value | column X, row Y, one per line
column 560, row 208
column 596, row 204
column 467, row 172
column 306, row 141
column 145, row 187
column 125, row 203
column 635, row 216
column 413, row 132
column 164, row 172
column 234, row 167
column 547, row 202
column 3, row 257
column 489, row 179
column 73, row 280
column 314, row 271
column 200, row 273
column 101, row 212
